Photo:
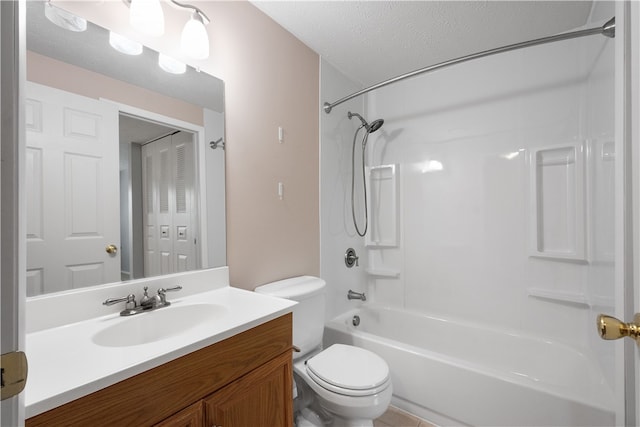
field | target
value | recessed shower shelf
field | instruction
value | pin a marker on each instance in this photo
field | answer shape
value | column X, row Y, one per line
column 382, row 272
column 377, row 245
column 573, row 298
column 557, row 202
column 382, row 203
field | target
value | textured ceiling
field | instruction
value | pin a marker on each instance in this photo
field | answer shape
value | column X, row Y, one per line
column 371, row 41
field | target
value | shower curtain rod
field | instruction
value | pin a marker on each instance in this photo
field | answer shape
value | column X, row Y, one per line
column 608, row 30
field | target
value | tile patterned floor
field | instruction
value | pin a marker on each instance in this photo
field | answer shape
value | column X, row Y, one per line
column 395, row 417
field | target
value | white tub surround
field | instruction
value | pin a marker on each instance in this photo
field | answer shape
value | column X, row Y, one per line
column 65, row 363
column 493, row 192
column 454, row 373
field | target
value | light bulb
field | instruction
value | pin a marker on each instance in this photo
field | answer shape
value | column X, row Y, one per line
column 171, row 65
column 124, row 45
column 195, row 40
column 146, row 16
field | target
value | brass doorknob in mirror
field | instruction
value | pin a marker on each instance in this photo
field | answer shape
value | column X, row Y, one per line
column 611, row 328
column 111, row 249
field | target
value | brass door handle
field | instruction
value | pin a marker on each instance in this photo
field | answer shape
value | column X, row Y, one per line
column 611, row 328
column 111, row 249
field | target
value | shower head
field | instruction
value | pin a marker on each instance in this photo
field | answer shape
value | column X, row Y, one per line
column 374, row 126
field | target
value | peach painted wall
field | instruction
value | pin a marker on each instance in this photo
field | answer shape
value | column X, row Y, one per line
column 271, row 79
column 50, row 72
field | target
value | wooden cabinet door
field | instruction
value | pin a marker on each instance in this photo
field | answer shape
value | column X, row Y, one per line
column 261, row 398
column 191, row 416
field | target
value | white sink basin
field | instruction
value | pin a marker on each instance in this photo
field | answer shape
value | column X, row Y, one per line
column 159, row 324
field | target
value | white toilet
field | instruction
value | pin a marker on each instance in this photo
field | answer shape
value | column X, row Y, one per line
column 350, row 383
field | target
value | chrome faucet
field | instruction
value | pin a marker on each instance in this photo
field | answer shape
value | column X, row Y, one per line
column 146, row 303
column 356, row 295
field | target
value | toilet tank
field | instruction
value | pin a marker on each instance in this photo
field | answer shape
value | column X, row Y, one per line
column 308, row 314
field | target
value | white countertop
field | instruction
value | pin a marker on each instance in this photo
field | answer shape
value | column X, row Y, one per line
column 65, row 364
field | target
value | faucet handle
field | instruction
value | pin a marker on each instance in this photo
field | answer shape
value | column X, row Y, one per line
column 129, row 299
column 162, row 294
column 162, row 291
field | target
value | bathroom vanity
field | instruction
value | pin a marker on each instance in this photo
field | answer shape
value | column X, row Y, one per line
column 216, row 356
column 244, row 380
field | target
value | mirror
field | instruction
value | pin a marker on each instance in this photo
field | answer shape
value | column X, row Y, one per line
column 125, row 162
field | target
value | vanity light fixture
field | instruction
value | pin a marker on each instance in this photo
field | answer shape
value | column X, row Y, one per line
column 171, row 65
column 124, row 45
column 64, row 19
column 146, row 16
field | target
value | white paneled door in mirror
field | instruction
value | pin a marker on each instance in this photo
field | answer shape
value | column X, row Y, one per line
column 72, row 204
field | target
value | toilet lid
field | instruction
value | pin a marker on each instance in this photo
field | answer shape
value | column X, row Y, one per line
column 349, row 367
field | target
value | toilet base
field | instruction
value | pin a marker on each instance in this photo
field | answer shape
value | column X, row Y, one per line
column 310, row 413
column 308, row 418
column 341, row 422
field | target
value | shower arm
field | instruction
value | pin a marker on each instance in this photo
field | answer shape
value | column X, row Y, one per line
column 607, row 30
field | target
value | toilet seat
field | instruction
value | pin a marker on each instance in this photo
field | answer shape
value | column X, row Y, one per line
column 349, row 370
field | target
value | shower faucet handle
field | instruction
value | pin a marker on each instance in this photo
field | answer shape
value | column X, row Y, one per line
column 350, row 258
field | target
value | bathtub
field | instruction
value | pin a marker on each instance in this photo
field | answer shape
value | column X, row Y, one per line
column 453, row 373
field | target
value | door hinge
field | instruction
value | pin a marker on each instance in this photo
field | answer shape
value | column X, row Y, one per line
column 13, row 373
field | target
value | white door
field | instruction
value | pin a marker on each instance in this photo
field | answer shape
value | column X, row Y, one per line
column 72, row 191
column 626, row 362
column 633, row 56
column 170, row 217
column 11, row 230
column 184, row 211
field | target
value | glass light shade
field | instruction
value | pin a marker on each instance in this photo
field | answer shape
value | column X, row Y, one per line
column 64, row 19
column 147, row 17
column 195, row 40
column 124, row 45
column 171, row 65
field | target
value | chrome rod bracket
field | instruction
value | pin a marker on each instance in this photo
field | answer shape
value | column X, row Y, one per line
column 609, row 28
column 217, row 143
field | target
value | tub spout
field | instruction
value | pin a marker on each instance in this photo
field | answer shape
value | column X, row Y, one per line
column 356, row 295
